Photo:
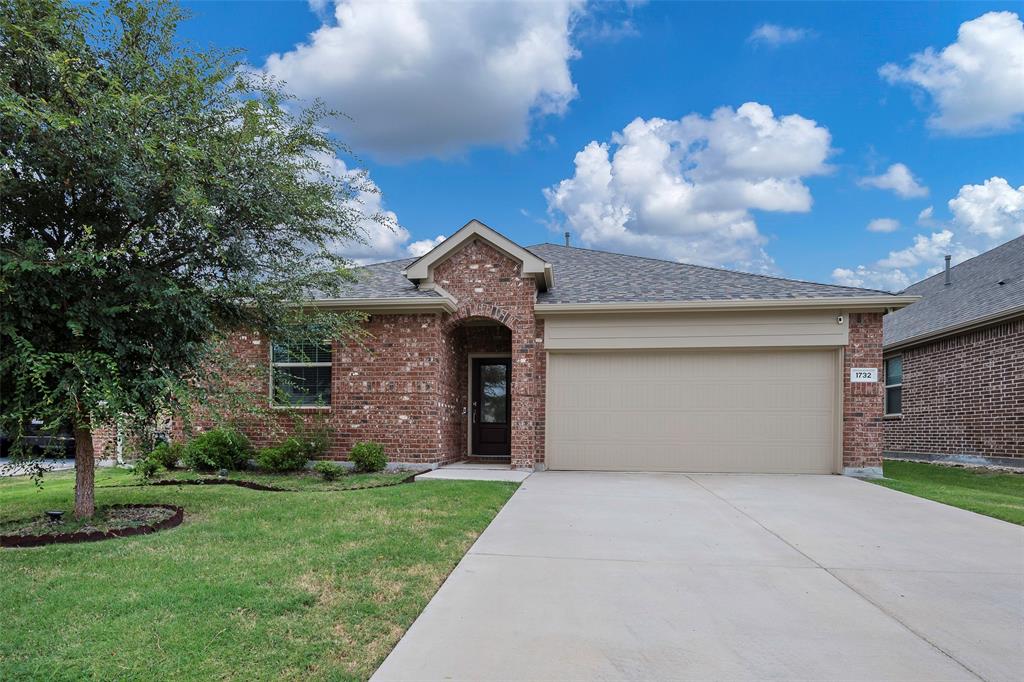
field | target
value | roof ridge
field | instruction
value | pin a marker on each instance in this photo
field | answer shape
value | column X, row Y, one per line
column 708, row 267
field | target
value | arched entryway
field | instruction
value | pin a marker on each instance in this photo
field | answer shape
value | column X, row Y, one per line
column 479, row 389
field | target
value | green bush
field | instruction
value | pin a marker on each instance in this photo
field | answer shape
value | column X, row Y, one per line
column 290, row 455
column 329, row 471
column 315, row 441
column 167, row 455
column 217, row 449
column 368, row 456
column 146, row 468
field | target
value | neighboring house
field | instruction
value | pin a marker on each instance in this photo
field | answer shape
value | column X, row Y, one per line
column 955, row 362
column 566, row 358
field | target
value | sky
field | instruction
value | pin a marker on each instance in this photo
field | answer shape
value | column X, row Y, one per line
column 852, row 143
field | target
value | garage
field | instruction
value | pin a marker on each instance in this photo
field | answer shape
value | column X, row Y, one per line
column 746, row 404
column 763, row 411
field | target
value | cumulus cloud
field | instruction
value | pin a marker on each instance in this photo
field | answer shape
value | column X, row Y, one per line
column 774, row 35
column 684, row 189
column 977, row 83
column 993, row 209
column 883, row 225
column 899, row 179
column 434, row 78
column 383, row 237
column 983, row 216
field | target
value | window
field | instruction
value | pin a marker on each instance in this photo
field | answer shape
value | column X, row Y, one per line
column 300, row 374
column 894, row 385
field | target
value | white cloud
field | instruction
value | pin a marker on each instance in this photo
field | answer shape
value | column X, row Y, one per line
column 684, row 189
column 899, row 179
column 924, row 218
column 383, row 236
column 977, row 83
column 774, row 35
column 994, row 209
column 903, row 267
column 861, row 276
column 434, row 78
column 883, row 225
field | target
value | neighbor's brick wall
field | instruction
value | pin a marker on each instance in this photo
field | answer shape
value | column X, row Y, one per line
column 863, row 402
column 488, row 285
column 963, row 395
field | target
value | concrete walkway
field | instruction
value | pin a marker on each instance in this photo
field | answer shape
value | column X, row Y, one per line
column 670, row 576
column 475, row 471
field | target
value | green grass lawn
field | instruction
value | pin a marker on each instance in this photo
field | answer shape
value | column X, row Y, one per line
column 993, row 494
column 252, row 586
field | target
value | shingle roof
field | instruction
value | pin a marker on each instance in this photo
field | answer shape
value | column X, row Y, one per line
column 984, row 286
column 588, row 276
column 384, row 280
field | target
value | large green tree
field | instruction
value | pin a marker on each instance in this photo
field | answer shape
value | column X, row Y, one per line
column 154, row 199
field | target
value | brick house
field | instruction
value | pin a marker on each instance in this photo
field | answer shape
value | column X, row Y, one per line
column 565, row 358
column 954, row 363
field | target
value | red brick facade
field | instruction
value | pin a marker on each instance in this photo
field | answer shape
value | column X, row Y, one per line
column 405, row 384
column 963, row 395
column 863, row 402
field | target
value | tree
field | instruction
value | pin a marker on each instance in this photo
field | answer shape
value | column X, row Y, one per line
column 156, row 198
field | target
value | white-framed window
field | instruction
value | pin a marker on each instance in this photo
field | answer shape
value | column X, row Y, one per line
column 300, row 375
column 894, row 385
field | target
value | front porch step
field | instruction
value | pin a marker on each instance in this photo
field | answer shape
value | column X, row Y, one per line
column 469, row 471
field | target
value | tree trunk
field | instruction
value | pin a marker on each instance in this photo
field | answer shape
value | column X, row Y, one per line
column 85, row 472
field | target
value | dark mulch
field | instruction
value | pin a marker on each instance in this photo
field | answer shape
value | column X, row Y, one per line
column 115, row 521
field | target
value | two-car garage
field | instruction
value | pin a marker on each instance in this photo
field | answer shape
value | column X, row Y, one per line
column 756, row 392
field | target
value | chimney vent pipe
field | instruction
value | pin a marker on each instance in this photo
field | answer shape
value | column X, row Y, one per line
column 567, row 239
column 949, row 275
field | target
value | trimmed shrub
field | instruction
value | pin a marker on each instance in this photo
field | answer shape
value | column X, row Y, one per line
column 329, row 471
column 368, row 456
column 167, row 454
column 288, row 456
column 315, row 441
column 217, row 449
column 146, row 468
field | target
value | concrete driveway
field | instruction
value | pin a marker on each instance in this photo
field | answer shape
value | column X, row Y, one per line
column 672, row 576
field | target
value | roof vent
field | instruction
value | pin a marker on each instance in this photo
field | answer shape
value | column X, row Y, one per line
column 567, row 239
column 949, row 274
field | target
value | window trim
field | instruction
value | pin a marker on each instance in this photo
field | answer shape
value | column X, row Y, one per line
column 275, row 365
column 886, row 386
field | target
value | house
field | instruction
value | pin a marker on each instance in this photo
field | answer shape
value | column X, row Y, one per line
column 954, row 363
column 566, row 358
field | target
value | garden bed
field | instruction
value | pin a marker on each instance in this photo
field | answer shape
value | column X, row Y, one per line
column 115, row 521
column 294, row 482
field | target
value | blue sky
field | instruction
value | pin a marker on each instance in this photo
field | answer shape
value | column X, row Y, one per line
column 473, row 110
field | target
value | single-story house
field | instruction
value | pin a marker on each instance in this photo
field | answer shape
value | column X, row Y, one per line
column 954, row 363
column 556, row 357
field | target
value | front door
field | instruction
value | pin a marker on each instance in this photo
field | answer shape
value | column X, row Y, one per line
column 491, row 411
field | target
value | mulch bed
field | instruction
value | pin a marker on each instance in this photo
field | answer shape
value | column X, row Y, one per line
column 253, row 485
column 139, row 519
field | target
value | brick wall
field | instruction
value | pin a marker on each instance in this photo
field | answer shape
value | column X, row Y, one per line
column 863, row 402
column 963, row 395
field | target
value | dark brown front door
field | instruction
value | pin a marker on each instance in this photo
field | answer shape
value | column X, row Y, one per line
column 491, row 411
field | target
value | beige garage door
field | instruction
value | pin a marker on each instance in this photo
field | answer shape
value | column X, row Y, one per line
column 730, row 411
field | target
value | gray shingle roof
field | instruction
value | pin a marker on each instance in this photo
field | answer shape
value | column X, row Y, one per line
column 588, row 276
column 975, row 294
column 384, row 280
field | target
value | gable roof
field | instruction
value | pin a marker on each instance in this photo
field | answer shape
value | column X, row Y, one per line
column 985, row 288
column 586, row 279
column 421, row 269
column 589, row 276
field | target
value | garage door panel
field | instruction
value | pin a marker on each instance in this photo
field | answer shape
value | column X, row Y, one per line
column 730, row 411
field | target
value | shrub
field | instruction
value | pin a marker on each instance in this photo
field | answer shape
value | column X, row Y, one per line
column 217, row 449
column 329, row 471
column 146, row 468
column 167, row 455
column 315, row 441
column 288, row 456
column 368, row 456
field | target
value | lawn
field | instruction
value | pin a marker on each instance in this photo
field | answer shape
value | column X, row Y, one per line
column 252, row 586
column 994, row 494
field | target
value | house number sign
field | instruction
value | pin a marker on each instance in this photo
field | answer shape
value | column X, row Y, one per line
column 863, row 374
